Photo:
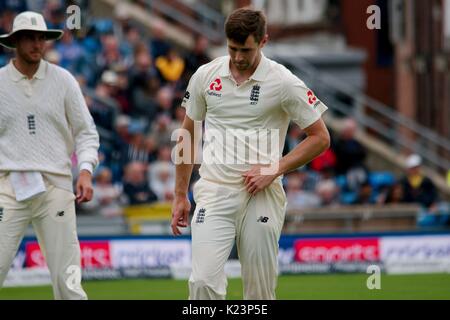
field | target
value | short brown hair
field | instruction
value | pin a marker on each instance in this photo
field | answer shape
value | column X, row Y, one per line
column 244, row 22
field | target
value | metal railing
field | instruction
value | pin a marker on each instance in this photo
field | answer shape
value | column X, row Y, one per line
column 207, row 21
column 374, row 115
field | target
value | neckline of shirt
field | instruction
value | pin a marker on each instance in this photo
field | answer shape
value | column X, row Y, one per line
column 16, row 75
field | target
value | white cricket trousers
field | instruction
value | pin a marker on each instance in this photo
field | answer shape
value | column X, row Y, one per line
column 223, row 214
column 53, row 217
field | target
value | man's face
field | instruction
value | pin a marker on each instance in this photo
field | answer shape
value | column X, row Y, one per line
column 244, row 56
column 30, row 46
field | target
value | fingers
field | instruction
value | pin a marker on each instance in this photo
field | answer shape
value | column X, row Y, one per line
column 84, row 193
column 175, row 230
column 252, row 187
column 179, row 220
column 79, row 191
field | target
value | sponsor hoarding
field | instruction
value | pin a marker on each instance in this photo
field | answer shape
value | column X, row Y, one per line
column 120, row 254
column 334, row 250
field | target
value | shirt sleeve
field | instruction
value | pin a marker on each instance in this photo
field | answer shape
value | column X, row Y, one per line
column 300, row 102
column 82, row 124
column 194, row 101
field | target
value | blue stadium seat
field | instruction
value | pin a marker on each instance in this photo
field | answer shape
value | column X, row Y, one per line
column 379, row 179
column 341, row 181
column 348, row 197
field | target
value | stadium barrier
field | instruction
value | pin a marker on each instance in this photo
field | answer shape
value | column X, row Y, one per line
column 168, row 257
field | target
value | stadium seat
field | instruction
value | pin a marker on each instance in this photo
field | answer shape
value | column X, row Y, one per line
column 379, row 179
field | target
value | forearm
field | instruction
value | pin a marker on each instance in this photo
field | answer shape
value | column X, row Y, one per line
column 182, row 178
column 303, row 153
column 185, row 155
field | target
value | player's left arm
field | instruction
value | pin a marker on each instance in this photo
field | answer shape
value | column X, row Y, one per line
column 317, row 141
column 85, row 136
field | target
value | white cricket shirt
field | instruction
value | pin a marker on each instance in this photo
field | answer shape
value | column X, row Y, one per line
column 266, row 102
column 42, row 121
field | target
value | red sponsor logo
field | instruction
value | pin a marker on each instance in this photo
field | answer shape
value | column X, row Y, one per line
column 311, row 97
column 94, row 254
column 216, row 85
column 337, row 250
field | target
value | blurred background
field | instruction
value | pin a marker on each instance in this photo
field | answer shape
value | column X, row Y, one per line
column 379, row 195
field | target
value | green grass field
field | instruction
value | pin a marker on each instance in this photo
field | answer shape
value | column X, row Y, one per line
column 298, row 287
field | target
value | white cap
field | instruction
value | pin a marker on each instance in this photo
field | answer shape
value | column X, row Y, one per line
column 109, row 77
column 413, row 161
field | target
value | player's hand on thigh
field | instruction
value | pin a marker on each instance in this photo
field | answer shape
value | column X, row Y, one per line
column 84, row 187
column 255, row 181
column 180, row 214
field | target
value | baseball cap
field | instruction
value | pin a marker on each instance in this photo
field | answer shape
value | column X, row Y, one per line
column 413, row 161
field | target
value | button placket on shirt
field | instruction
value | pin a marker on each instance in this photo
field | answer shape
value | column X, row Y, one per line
column 28, row 88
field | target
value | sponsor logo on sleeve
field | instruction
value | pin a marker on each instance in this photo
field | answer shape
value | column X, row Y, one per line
column 312, row 99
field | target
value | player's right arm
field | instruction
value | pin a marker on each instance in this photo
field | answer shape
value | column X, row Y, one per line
column 195, row 105
column 181, row 205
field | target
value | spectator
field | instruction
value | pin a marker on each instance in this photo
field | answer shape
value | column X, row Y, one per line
column 198, row 56
column 350, row 154
column 393, row 195
column 162, row 130
column 293, row 137
column 297, row 198
column 13, row 5
column 328, row 192
column 112, row 87
column 102, row 113
column 135, row 185
column 136, row 149
column 151, row 147
column 54, row 14
column 164, row 98
column 122, row 136
column 170, row 66
column 417, row 187
column 53, row 56
column 365, row 194
column 71, row 53
column 326, row 161
column 107, row 197
column 110, row 55
column 158, row 43
column 162, row 179
column 346, row 144
column 179, row 115
column 144, row 84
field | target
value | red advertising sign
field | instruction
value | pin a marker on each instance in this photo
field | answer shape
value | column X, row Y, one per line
column 94, row 254
column 337, row 250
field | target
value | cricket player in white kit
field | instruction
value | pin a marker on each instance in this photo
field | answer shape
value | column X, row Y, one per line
column 43, row 119
column 243, row 91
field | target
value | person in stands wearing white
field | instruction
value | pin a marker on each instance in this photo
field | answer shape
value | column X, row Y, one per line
column 43, row 120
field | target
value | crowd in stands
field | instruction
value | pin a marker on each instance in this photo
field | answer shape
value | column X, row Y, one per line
column 137, row 83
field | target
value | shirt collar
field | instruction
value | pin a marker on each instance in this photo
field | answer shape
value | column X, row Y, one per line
column 262, row 69
column 225, row 69
column 16, row 75
column 259, row 75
